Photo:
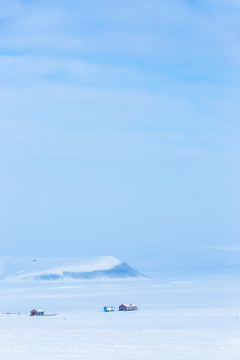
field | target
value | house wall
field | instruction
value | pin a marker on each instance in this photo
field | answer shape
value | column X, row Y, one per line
column 127, row 308
column 35, row 313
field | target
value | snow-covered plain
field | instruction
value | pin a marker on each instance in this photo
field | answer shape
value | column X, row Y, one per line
column 179, row 318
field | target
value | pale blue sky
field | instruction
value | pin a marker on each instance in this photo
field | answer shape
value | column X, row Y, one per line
column 119, row 129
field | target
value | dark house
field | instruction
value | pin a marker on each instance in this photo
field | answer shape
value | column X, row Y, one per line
column 127, row 307
column 37, row 312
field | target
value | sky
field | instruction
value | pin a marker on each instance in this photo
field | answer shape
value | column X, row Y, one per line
column 119, row 130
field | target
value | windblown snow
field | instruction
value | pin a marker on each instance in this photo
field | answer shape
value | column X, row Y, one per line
column 65, row 268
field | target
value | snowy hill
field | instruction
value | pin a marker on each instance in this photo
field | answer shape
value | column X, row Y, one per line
column 65, row 268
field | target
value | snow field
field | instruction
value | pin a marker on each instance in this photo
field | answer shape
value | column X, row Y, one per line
column 175, row 321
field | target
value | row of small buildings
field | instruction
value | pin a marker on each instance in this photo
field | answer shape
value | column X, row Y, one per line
column 123, row 307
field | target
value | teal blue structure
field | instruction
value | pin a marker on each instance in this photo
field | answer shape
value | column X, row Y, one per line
column 109, row 308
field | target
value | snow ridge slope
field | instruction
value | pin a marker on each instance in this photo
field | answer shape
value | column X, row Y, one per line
column 65, row 268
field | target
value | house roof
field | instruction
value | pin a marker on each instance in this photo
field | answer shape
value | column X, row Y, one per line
column 38, row 310
column 128, row 305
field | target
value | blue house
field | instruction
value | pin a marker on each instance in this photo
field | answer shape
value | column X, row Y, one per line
column 109, row 308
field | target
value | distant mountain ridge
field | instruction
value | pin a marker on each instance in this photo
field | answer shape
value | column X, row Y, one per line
column 56, row 269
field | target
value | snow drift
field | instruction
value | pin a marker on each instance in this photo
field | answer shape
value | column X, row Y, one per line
column 65, row 268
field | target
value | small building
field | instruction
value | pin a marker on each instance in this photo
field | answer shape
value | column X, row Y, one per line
column 37, row 312
column 109, row 308
column 127, row 307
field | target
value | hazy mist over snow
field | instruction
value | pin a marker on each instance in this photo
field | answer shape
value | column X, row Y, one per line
column 55, row 269
column 119, row 131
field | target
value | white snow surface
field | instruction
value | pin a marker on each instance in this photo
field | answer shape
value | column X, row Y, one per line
column 27, row 268
column 190, row 318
